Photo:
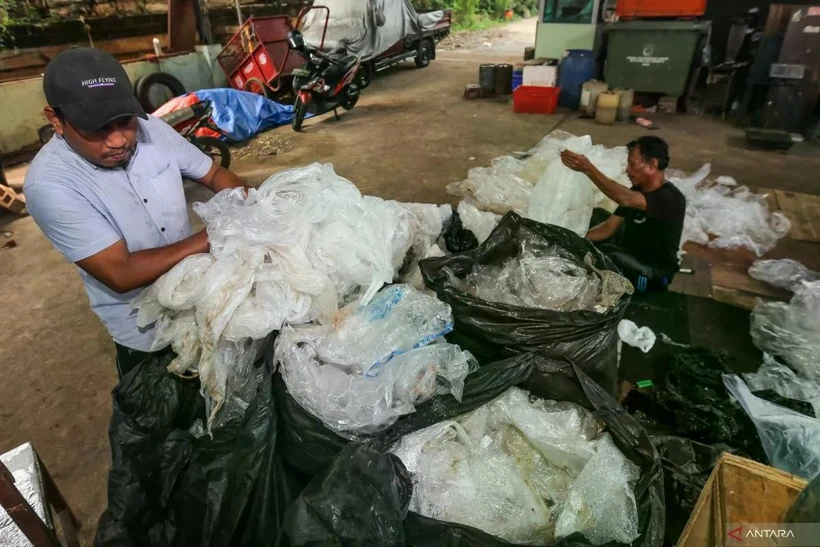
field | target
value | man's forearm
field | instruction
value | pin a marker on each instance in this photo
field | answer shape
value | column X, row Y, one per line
column 123, row 272
column 611, row 189
column 599, row 233
column 144, row 267
column 221, row 179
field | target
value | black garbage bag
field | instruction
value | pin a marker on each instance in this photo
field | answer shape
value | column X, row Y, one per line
column 309, row 521
column 168, row 486
column 692, row 401
column 686, row 468
column 493, row 331
column 457, row 238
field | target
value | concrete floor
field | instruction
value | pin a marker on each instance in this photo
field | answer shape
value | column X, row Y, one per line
column 410, row 135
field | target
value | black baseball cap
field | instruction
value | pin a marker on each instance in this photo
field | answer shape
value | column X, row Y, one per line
column 90, row 88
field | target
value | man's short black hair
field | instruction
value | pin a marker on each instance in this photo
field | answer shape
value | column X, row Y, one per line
column 652, row 148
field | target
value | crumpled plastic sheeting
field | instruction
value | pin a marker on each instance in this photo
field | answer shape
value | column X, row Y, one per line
column 290, row 252
column 497, row 188
column 782, row 380
column 784, row 273
column 565, row 197
column 791, row 330
column 374, row 363
column 481, row 223
column 545, row 277
column 542, row 188
column 638, row 337
column 529, row 471
column 723, row 215
column 790, row 439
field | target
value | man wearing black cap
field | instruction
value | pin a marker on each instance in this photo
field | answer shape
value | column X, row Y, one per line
column 107, row 190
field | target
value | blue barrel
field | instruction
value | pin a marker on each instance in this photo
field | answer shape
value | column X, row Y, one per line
column 517, row 78
column 575, row 69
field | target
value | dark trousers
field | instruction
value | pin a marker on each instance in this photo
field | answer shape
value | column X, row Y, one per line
column 128, row 358
column 643, row 276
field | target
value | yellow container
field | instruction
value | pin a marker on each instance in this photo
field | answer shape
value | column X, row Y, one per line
column 606, row 111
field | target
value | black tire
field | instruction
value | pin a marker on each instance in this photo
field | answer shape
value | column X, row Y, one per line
column 425, row 53
column 215, row 148
column 351, row 103
column 365, row 75
column 299, row 110
column 256, row 85
column 144, row 85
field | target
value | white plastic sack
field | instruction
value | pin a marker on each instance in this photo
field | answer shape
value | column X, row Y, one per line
column 638, row 337
column 526, row 470
column 374, row 363
column 784, row 273
column 723, row 215
column 790, row 439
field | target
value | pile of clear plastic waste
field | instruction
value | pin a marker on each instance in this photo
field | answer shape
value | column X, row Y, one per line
column 721, row 214
column 527, row 470
column 546, row 277
column 784, row 273
column 791, row 331
column 290, row 252
column 539, row 186
column 373, row 362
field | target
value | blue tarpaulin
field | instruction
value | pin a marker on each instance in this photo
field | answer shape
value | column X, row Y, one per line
column 241, row 115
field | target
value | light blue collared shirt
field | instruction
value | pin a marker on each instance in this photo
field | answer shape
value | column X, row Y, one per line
column 84, row 209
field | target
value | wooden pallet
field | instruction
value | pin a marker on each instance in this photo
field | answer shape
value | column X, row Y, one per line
column 11, row 200
column 738, row 491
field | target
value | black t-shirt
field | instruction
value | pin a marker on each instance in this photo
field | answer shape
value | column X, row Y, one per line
column 653, row 236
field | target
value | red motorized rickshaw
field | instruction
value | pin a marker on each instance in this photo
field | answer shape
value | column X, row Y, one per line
column 258, row 58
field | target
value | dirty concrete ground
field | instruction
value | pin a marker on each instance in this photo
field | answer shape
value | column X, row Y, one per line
column 408, row 137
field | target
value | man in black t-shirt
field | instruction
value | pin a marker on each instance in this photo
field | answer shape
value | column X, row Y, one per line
column 650, row 214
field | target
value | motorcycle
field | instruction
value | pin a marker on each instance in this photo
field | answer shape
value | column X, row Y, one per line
column 187, row 121
column 324, row 83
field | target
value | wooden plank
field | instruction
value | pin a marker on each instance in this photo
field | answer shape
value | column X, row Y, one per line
column 803, row 211
column 736, row 277
column 699, row 282
column 752, row 492
column 738, row 491
column 733, row 297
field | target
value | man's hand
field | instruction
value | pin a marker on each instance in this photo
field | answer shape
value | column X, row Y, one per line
column 577, row 162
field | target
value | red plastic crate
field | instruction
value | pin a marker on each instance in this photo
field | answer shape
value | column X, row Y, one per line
column 529, row 99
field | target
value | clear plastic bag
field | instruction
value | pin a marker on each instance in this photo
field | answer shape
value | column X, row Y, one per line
column 723, row 215
column 524, row 470
column 790, row 439
column 791, row 330
column 545, row 277
column 782, row 380
column 784, row 273
column 638, row 337
column 375, row 362
column 497, row 189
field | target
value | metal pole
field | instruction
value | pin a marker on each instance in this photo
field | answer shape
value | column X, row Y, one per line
column 238, row 12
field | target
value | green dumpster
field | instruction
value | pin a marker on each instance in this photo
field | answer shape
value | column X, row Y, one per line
column 652, row 56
